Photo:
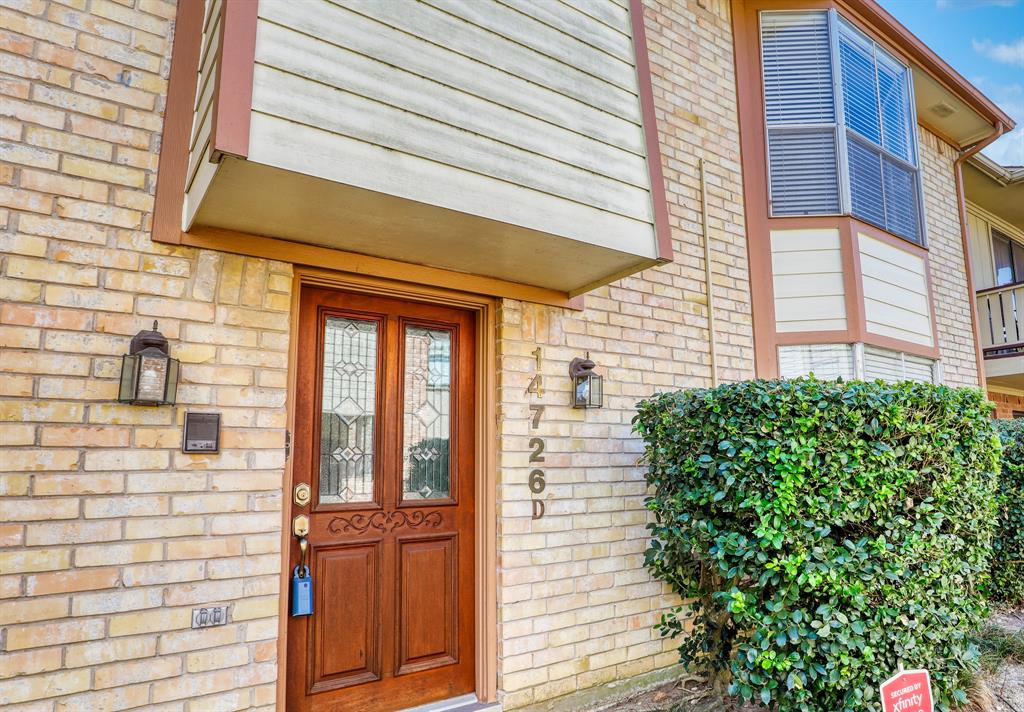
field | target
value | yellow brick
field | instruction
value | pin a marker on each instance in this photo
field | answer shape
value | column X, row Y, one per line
column 159, row 619
column 217, row 658
column 145, row 283
column 204, row 548
column 64, row 185
column 88, row 299
column 34, row 560
column 192, row 686
column 28, row 156
column 21, row 199
column 15, row 385
column 179, row 526
column 29, row 662
column 98, row 213
column 119, row 554
column 79, row 389
column 63, row 229
column 16, row 290
column 126, row 460
column 66, row 142
column 35, row 27
column 30, row 610
column 195, row 353
column 12, row 434
column 125, row 414
column 19, row 337
column 38, row 460
column 34, row 362
column 158, row 437
column 131, row 506
column 72, row 101
column 40, row 635
column 107, row 651
column 27, row 245
column 118, row 698
column 69, row 581
column 71, row 532
column 94, row 86
column 176, row 308
column 106, row 172
column 255, row 608
column 45, row 271
column 14, row 485
column 40, row 687
column 48, row 485
column 85, row 436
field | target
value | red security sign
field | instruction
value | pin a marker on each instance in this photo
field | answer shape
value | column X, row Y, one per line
column 908, row 691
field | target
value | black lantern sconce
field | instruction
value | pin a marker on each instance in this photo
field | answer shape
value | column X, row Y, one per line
column 587, row 386
column 149, row 376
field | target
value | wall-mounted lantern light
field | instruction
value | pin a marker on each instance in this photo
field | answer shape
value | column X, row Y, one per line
column 149, row 376
column 587, row 386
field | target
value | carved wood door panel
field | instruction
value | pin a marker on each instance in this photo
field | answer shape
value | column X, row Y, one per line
column 384, row 438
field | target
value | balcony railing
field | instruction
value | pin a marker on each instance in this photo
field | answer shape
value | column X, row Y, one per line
column 1001, row 313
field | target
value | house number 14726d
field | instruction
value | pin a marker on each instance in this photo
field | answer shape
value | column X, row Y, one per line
column 536, row 481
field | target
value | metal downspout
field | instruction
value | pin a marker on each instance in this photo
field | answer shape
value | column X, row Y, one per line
column 961, row 201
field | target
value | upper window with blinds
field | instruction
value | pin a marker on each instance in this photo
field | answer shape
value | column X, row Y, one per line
column 851, row 151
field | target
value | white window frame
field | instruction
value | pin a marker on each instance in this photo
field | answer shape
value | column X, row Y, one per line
column 842, row 131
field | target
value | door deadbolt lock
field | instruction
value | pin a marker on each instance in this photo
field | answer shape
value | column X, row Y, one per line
column 300, row 525
column 302, row 494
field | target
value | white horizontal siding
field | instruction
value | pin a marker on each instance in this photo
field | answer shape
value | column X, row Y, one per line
column 895, row 292
column 200, row 169
column 341, row 159
column 535, row 102
column 807, row 277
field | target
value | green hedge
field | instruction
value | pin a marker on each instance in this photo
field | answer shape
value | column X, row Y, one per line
column 1008, row 546
column 826, row 532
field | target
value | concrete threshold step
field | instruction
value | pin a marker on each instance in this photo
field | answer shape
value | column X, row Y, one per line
column 465, row 703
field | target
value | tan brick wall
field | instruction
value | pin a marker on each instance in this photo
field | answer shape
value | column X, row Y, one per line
column 110, row 534
column 1006, row 403
column 576, row 605
column 952, row 308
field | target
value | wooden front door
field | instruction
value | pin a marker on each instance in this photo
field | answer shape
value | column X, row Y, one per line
column 384, row 427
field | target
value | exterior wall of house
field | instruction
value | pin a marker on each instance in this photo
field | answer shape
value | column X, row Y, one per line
column 952, row 299
column 109, row 534
column 576, row 606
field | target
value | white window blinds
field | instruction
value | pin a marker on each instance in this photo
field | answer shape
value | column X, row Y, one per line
column 825, row 361
column 895, row 366
column 879, row 135
column 800, row 113
column 852, row 152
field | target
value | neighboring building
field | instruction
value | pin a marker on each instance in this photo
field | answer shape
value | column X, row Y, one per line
column 995, row 212
column 377, row 235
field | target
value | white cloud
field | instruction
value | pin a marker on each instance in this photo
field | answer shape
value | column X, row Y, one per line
column 972, row 4
column 1009, row 149
column 1011, row 53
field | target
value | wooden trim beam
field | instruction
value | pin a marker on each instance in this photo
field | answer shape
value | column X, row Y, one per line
column 177, row 127
column 662, row 227
column 232, row 99
column 212, row 238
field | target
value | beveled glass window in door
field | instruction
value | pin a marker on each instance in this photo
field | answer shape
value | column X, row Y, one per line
column 426, row 421
column 348, row 411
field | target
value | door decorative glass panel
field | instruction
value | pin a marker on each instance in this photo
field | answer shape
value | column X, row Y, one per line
column 349, row 403
column 427, row 414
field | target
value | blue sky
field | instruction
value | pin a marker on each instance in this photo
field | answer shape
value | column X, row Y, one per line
column 984, row 41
